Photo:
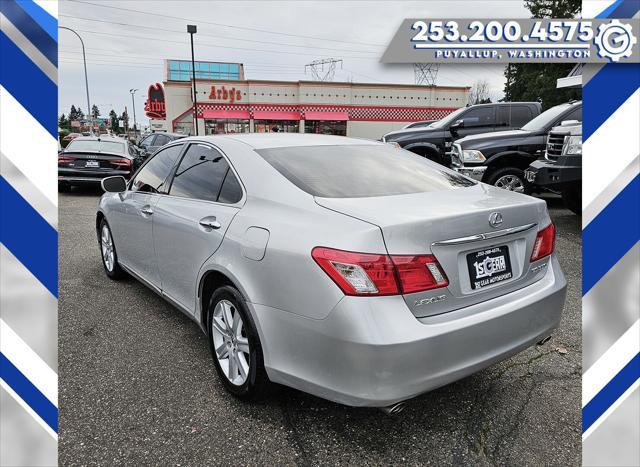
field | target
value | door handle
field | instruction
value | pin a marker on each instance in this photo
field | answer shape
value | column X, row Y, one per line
column 146, row 210
column 210, row 223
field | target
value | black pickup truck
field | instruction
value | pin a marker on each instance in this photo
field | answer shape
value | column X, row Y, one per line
column 500, row 158
column 434, row 141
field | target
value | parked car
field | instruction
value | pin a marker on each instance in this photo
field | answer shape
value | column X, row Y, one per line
column 151, row 143
column 500, row 158
column 419, row 124
column 562, row 168
column 88, row 159
column 70, row 137
column 346, row 268
column 434, row 142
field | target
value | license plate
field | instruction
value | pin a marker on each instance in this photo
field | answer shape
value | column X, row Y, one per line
column 488, row 267
column 92, row 164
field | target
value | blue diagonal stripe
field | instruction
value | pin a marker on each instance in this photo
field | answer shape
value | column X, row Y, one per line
column 607, row 238
column 30, row 86
column 621, row 9
column 610, row 393
column 606, row 92
column 30, row 29
column 41, row 16
column 28, row 236
column 19, row 383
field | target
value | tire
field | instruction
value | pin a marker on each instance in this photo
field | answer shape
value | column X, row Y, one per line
column 111, row 266
column 255, row 382
column 505, row 176
column 64, row 187
column 572, row 199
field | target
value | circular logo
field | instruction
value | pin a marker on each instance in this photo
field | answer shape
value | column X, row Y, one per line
column 615, row 40
column 495, row 219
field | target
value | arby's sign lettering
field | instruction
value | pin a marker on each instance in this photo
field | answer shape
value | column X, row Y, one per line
column 221, row 93
column 155, row 107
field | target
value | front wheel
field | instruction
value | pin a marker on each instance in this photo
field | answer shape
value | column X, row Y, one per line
column 510, row 178
column 235, row 345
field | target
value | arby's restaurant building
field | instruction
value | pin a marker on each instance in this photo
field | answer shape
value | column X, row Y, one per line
column 229, row 103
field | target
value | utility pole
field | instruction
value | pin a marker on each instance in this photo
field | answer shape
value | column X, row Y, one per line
column 318, row 67
column 133, row 104
column 192, row 29
column 86, row 79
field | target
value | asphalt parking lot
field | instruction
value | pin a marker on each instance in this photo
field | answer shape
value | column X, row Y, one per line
column 138, row 387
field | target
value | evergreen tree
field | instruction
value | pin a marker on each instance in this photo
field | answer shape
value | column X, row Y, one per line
column 95, row 111
column 73, row 113
column 538, row 81
column 80, row 114
column 63, row 122
column 113, row 119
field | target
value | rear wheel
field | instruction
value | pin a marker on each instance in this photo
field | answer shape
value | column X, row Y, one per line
column 510, row 178
column 64, row 187
column 572, row 199
column 235, row 345
column 108, row 252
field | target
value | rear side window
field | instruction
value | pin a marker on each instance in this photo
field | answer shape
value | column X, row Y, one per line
column 153, row 175
column 231, row 191
column 520, row 114
column 161, row 140
column 200, row 174
column 574, row 115
column 358, row 171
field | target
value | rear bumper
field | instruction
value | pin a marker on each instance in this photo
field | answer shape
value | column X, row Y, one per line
column 374, row 352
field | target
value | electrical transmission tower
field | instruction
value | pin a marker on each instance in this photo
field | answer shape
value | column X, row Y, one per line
column 323, row 70
column 426, row 73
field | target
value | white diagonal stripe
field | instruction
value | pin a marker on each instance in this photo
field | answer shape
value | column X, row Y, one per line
column 607, row 152
column 28, row 409
column 610, row 363
column 612, row 408
column 592, row 8
column 29, row 363
column 28, row 146
column 50, row 6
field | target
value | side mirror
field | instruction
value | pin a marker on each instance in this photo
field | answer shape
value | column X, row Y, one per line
column 455, row 126
column 115, row 184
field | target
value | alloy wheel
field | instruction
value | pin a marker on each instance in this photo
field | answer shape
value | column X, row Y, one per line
column 511, row 183
column 230, row 342
column 108, row 254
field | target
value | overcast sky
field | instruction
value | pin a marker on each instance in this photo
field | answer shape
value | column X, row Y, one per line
column 274, row 40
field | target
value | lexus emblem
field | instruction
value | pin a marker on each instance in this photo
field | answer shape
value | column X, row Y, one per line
column 495, row 219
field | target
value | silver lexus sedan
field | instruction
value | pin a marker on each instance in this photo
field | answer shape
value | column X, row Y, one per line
column 346, row 268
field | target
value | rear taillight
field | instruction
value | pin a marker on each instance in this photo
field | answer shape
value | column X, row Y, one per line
column 544, row 244
column 121, row 162
column 419, row 273
column 62, row 159
column 374, row 274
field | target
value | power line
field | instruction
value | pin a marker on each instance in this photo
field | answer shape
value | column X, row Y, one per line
column 214, row 46
column 214, row 36
column 244, row 28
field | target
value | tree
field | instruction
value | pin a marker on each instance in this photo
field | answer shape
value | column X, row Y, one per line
column 80, row 114
column 113, row 120
column 73, row 113
column 63, row 122
column 125, row 118
column 95, row 111
column 538, row 81
column 480, row 93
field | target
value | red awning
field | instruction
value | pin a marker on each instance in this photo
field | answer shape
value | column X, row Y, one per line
column 326, row 116
column 240, row 114
column 277, row 115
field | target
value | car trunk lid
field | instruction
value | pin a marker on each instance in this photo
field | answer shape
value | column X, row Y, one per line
column 454, row 226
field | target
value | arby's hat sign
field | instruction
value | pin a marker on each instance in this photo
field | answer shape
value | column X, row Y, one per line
column 155, row 105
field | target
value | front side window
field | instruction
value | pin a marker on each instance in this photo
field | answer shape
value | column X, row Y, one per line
column 479, row 116
column 358, row 171
column 145, row 143
column 200, row 174
column 161, row 140
column 153, row 175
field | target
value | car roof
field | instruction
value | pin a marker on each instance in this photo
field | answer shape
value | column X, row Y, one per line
column 278, row 140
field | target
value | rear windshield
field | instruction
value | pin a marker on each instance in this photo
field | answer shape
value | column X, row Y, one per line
column 93, row 145
column 358, row 171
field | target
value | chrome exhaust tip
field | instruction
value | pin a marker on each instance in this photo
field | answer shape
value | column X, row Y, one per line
column 544, row 340
column 393, row 409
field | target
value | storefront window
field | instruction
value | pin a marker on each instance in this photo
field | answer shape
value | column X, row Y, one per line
column 326, row 127
column 282, row 126
column 221, row 126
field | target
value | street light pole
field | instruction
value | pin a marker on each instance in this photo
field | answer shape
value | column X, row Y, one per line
column 133, row 105
column 86, row 79
column 192, row 29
